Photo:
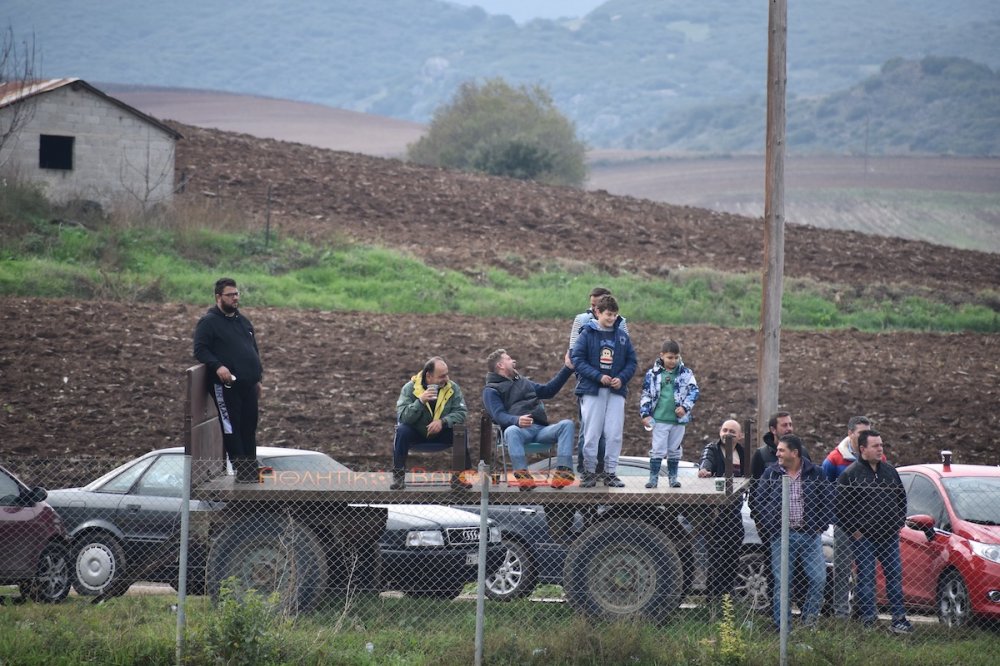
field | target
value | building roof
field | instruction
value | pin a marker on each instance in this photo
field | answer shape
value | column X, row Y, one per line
column 16, row 91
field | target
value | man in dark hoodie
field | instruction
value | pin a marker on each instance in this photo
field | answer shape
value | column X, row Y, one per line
column 810, row 512
column 224, row 341
column 779, row 425
column 515, row 404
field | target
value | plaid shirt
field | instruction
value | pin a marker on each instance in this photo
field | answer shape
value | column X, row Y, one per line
column 796, row 503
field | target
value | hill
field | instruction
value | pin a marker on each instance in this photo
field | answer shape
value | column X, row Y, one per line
column 622, row 69
column 102, row 378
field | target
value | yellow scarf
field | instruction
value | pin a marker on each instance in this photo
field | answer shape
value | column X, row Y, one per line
column 444, row 393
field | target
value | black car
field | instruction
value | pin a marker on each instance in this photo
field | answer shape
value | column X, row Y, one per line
column 124, row 527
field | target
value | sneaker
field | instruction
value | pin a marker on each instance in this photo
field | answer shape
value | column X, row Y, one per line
column 562, row 477
column 523, row 480
column 611, row 480
column 901, row 626
column 589, row 480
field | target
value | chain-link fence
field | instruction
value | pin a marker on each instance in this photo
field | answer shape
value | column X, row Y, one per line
column 920, row 558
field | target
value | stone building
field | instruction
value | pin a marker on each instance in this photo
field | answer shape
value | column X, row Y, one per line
column 82, row 144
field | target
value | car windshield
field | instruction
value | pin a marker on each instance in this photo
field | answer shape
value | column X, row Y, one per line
column 303, row 463
column 975, row 498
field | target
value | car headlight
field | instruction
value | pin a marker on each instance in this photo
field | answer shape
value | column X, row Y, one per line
column 494, row 535
column 987, row 551
column 424, row 538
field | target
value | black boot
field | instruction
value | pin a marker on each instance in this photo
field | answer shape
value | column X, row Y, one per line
column 398, row 479
column 589, row 480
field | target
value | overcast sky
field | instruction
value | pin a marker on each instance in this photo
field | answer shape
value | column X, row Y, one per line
column 525, row 10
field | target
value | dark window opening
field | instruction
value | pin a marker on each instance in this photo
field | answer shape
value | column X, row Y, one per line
column 55, row 152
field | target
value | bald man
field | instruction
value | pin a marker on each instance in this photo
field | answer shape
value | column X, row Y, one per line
column 725, row 536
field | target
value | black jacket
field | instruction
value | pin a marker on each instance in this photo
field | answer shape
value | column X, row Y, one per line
column 872, row 502
column 507, row 399
column 713, row 458
column 818, row 500
column 220, row 340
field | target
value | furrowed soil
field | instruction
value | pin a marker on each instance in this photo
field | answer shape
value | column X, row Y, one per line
column 97, row 378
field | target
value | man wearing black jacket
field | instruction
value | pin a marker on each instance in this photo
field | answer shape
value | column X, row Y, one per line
column 224, row 341
column 871, row 507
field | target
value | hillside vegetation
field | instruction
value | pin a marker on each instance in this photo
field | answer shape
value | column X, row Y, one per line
column 628, row 66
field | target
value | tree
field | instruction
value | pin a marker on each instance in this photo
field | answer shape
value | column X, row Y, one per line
column 504, row 131
column 17, row 71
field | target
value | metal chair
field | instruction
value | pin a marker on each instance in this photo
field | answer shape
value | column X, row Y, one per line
column 500, row 450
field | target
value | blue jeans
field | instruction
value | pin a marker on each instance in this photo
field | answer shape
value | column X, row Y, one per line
column 807, row 550
column 560, row 434
column 866, row 552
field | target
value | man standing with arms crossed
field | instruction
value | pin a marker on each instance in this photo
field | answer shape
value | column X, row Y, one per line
column 224, row 341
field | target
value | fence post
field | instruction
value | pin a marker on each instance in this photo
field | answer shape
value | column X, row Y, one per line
column 183, row 560
column 783, row 609
column 484, row 502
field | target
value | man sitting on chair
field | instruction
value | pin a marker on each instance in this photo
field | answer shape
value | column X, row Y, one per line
column 515, row 404
column 429, row 407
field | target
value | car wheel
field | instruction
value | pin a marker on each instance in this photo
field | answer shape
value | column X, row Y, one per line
column 622, row 569
column 752, row 582
column 99, row 565
column 953, row 600
column 515, row 578
column 270, row 554
column 52, row 583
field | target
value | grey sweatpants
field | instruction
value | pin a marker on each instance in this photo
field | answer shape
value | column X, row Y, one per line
column 602, row 414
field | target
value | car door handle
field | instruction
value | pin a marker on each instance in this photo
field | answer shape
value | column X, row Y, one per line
column 133, row 507
column 527, row 510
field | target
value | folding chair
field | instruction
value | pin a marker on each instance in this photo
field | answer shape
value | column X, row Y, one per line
column 500, row 450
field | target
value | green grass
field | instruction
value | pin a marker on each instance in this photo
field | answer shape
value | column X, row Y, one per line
column 173, row 262
column 142, row 629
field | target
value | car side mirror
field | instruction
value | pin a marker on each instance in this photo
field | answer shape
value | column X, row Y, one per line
column 923, row 523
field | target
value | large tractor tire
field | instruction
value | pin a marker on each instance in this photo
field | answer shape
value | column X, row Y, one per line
column 623, row 569
column 270, row 554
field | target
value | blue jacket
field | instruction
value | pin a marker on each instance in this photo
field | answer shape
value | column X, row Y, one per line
column 587, row 354
column 818, row 498
column 685, row 390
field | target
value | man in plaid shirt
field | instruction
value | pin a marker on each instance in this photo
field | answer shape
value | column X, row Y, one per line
column 810, row 512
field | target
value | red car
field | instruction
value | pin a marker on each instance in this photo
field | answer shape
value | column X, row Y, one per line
column 950, row 546
column 33, row 543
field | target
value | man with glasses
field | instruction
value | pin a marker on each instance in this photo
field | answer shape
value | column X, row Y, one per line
column 224, row 341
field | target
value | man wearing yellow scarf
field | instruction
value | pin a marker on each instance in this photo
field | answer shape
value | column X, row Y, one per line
column 429, row 407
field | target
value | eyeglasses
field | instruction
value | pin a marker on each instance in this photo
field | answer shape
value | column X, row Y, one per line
column 230, row 294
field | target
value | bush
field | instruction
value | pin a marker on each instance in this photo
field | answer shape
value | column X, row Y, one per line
column 246, row 628
column 504, row 131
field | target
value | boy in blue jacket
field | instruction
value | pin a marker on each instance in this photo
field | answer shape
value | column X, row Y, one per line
column 669, row 392
column 605, row 362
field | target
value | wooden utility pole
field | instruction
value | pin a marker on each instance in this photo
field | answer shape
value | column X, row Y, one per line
column 769, row 335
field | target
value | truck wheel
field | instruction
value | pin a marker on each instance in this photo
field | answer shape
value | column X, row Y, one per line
column 753, row 581
column 515, row 578
column 622, row 569
column 270, row 554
